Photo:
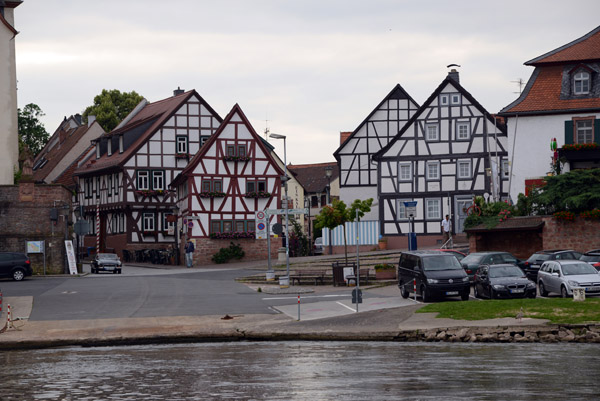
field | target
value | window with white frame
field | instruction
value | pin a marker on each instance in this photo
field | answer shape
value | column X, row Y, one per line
column 401, row 209
column 165, row 223
column 505, row 169
column 432, row 170
column 432, row 209
column 148, row 221
column 114, row 224
column 585, row 131
column 432, row 132
column 581, row 83
column 158, row 179
column 143, row 180
column 404, row 171
column 463, row 169
column 88, row 187
column 121, row 222
column 182, row 144
column 455, row 99
column 444, row 100
column 463, row 130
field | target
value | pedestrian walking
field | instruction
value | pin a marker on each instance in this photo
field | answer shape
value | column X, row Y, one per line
column 445, row 230
column 189, row 254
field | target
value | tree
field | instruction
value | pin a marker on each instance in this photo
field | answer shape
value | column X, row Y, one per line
column 111, row 107
column 31, row 130
column 339, row 214
column 576, row 191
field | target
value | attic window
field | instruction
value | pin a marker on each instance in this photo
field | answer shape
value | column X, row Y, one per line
column 121, row 147
column 581, row 83
column 109, row 144
column 98, row 150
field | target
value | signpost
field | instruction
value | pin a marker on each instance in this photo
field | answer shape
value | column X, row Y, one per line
column 410, row 208
column 37, row 247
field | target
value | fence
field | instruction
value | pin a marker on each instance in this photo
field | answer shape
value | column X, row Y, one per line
column 368, row 234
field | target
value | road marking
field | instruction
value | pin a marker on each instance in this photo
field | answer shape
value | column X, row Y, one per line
column 304, row 297
column 345, row 306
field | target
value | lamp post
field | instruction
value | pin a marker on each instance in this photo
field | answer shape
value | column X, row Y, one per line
column 285, row 187
column 77, row 213
column 310, row 243
column 328, row 172
column 176, row 214
column 66, row 208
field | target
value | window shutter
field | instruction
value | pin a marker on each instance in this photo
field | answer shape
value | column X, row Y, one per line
column 597, row 131
column 569, row 132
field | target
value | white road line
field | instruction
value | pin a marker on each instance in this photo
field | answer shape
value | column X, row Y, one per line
column 305, row 297
column 345, row 306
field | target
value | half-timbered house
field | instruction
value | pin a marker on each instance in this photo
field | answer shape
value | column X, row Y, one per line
column 126, row 183
column 358, row 175
column 441, row 159
column 232, row 177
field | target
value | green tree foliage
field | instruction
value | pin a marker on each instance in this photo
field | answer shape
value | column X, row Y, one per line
column 339, row 214
column 111, row 107
column 576, row 191
column 31, row 130
column 299, row 245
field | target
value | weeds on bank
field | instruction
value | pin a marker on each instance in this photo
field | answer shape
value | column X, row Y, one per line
column 557, row 310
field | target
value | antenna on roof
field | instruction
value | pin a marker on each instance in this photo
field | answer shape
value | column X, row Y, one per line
column 521, row 83
column 267, row 131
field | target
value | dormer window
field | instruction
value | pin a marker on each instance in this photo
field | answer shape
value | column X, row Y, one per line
column 121, row 146
column 98, row 150
column 109, row 149
column 581, row 83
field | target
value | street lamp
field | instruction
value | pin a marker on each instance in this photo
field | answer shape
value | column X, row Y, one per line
column 66, row 208
column 284, row 179
column 176, row 214
column 328, row 172
column 307, row 206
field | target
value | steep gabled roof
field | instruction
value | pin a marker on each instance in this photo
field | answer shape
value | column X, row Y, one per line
column 142, row 126
column 425, row 105
column 586, row 48
column 66, row 177
column 312, row 176
column 396, row 93
column 265, row 146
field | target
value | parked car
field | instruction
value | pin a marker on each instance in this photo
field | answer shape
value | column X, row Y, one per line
column 503, row 281
column 532, row 265
column 592, row 257
column 318, row 246
column 109, row 262
column 15, row 265
column 459, row 255
column 437, row 274
column 473, row 260
column 561, row 276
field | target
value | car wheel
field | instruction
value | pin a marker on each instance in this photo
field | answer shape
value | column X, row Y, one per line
column 403, row 291
column 18, row 274
column 532, row 295
column 543, row 291
column 425, row 296
column 119, row 271
column 563, row 292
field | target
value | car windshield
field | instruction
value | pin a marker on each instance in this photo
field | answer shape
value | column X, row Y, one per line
column 108, row 256
column 505, row 271
column 441, row 262
column 472, row 259
column 538, row 256
column 578, row 268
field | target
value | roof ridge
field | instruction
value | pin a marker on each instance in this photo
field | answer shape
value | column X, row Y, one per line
column 540, row 59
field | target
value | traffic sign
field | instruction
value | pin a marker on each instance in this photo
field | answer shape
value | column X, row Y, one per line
column 410, row 208
column 261, row 225
column 290, row 211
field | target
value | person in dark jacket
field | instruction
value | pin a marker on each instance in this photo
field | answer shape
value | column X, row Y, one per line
column 189, row 254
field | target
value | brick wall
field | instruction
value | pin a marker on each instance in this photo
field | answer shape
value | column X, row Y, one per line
column 580, row 235
column 27, row 218
column 254, row 249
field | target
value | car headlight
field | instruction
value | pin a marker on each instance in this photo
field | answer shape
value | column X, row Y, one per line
column 573, row 283
column 465, row 279
column 498, row 287
column 432, row 281
column 531, row 285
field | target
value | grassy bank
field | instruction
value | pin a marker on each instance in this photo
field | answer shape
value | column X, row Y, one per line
column 557, row 310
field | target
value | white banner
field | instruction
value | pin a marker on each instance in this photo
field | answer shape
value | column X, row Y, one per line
column 71, row 257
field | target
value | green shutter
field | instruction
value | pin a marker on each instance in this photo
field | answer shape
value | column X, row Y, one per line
column 569, row 132
column 597, row 131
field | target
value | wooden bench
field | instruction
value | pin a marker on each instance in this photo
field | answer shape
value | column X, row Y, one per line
column 317, row 275
column 364, row 277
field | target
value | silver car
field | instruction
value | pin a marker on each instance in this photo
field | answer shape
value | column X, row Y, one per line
column 561, row 276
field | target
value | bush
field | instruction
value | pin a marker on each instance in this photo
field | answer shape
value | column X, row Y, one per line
column 384, row 266
column 234, row 251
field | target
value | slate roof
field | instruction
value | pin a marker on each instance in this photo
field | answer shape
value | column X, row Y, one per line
column 514, row 223
column 312, row 176
column 139, row 129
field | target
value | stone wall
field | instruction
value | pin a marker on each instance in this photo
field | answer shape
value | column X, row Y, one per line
column 580, row 235
column 25, row 216
column 254, row 249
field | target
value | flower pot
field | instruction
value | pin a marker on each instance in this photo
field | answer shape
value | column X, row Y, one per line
column 382, row 245
column 385, row 274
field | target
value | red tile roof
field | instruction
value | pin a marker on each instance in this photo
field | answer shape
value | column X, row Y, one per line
column 312, row 176
column 586, row 48
column 544, row 94
column 66, row 177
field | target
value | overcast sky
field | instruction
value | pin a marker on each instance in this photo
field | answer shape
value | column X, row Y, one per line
column 311, row 68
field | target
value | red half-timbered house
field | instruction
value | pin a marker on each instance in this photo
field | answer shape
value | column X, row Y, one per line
column 127, row 180
column 233, row 176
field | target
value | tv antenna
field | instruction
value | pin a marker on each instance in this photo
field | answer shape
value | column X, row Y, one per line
column 521, row 84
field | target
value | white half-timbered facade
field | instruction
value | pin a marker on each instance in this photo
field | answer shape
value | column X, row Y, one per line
column 128, row 179
column 441, row 159
column 357, row 173
column 232, row 177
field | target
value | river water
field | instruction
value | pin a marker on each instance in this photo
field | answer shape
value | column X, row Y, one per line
column 305, row 371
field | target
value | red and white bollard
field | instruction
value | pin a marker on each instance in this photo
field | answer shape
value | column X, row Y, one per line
column 298, row 307
column 415, row 288
column 8, row 322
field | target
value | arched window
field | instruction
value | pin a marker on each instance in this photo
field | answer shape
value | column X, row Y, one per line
column 581, row 83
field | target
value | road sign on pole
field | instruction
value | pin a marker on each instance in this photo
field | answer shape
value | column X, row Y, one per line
column 290, row 211
column 261, row 222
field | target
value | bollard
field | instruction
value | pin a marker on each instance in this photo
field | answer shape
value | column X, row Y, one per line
column 8, row 322
column 415, row 288
column 298, row 307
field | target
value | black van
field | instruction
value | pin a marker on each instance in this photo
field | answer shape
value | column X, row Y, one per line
column 437, row 274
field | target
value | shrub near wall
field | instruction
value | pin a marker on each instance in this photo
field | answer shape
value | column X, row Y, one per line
column 253, row 249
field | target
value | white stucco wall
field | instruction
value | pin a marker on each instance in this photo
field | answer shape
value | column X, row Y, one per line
column 532, row 154
column 9, row 143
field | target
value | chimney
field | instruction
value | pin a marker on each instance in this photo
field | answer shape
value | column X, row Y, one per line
column 178, row 91
column 77, row 118
column 453, row 75
column 91, row 119
column 344, row 136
